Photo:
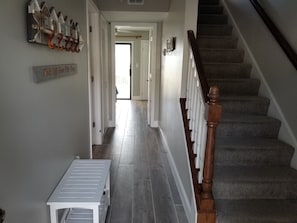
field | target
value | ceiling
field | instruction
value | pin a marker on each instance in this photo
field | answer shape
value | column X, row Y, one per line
column 122, row 5
column 128, row 16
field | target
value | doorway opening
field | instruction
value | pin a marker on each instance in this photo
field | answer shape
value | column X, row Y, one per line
column 139, row 90
column 123, row 70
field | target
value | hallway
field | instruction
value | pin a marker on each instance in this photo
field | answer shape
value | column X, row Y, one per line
column 142, row 186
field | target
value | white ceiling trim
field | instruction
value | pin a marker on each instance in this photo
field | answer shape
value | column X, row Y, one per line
column 131, row 16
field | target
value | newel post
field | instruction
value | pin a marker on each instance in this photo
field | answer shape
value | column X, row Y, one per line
column 207, row 212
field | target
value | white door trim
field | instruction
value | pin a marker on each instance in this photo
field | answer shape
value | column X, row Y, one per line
column 93, row 43
column 144, row 45
column 104, row 47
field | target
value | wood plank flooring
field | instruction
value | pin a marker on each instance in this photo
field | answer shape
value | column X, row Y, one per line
column 142, row 185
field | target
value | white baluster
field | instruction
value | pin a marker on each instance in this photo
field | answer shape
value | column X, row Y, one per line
column 195, row 102
column 198, row 104
column 189, row 79
column 203, row 144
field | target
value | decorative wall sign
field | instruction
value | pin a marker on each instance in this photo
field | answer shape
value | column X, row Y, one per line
column 45, row 73
column 45, row 26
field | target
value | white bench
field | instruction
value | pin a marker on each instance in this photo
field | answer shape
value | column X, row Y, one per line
column 83, row 194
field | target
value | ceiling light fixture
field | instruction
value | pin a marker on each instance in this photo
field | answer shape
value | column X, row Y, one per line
column 135, row 2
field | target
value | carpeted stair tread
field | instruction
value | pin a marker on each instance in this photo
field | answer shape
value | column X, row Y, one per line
column 254, row 143
column 221, row 55
column 252, row 152
column 247, row 118
column 216, row 30
column 257, row 211
column 227, row 70
column 217, row 37
column 209, row 2
column 255, row 173
column 245, row 104
column 211, row 9
column 238, row 86
column 256, row 182
column 243, row 98
column 246, row 125
column 220, row 42
column 213, row 19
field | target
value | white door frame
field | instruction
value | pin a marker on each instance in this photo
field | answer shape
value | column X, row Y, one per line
column 104, row 55
column 93, row 46
column 144, row 45
column 152, row 27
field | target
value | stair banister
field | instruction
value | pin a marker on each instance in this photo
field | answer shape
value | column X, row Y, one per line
column 201, row 114
column 282, row 41
column 195, row 51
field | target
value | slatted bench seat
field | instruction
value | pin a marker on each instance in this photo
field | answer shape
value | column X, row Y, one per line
column 83, row 194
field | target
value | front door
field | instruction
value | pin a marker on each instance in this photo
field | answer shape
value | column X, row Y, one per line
column 123, row 70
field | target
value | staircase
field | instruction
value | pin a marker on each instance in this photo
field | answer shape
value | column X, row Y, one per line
column 253, row 181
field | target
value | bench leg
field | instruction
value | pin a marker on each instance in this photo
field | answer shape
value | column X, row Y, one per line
column 54, row 215
column 96, row 215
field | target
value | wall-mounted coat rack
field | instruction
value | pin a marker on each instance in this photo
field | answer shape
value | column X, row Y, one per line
column 46, row 26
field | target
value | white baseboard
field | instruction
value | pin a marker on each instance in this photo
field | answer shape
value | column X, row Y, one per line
column 189, row 210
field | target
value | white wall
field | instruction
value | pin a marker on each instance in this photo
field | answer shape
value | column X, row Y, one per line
column 278, row 73
column 170, row 114
column 43, row 126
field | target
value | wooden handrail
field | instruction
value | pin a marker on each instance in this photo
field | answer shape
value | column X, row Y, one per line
column 289, row 51
column 195, row 49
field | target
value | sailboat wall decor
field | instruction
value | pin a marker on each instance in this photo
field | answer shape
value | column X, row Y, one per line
column 47, row 27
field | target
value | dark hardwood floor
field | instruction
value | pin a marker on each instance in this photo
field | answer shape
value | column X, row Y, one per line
column 142, row 186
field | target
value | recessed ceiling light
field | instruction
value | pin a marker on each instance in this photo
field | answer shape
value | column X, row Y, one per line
column 135, row 2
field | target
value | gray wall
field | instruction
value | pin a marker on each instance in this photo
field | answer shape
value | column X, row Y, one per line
column 283, row 13
column 136, row 57
column 170, row 114
column 277, row 71
column 43, row 126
